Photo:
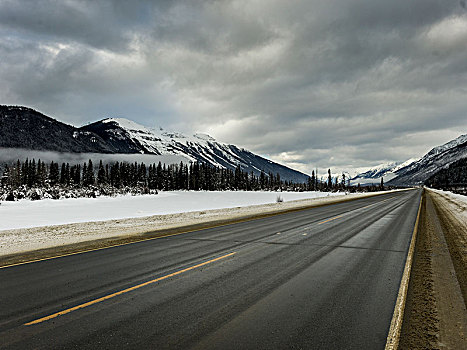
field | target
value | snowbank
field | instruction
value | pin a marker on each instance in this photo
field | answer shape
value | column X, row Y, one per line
column 25, row 213
column 457, row 203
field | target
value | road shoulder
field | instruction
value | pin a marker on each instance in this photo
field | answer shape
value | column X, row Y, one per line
column 435, row 316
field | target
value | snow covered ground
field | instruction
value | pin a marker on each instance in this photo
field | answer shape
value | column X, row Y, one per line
column 25, row 213
column 77, row 220
column 457, row 203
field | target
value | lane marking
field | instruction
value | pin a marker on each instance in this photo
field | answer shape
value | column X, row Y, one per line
column 366, row 206
column 194, row 230
column 392, row 341
column 109, row 296
column 369, row 205
column 334, row 218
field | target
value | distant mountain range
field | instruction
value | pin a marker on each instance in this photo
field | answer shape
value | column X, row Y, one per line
column 416, row 171
column 22, row 127
column 387, row 171
column 438, row 158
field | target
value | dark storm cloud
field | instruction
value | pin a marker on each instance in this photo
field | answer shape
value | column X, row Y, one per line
column 341, row 84
column 100, row 24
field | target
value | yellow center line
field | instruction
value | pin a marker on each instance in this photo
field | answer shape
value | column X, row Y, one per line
column 334, row 218
column 95, row 301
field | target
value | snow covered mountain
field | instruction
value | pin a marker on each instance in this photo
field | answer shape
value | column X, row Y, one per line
column 387, row 171
column 438, row 158
column 129, row 137
column 22, row 127
column 415, row 171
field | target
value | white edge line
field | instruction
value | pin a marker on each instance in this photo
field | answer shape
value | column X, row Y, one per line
column 392, row 341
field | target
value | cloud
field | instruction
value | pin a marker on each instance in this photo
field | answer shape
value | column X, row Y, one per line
column 328, row 84
column 11, row 155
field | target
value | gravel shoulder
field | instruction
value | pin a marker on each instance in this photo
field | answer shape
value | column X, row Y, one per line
column 21, row 245
column 453, row 214
column 436, row 316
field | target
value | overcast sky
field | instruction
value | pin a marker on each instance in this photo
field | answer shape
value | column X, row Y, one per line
column 313, row 83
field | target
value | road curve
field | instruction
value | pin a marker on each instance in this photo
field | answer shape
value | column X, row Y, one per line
column 323, row 278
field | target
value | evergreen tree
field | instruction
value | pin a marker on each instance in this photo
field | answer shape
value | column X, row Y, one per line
column 142, row 175
column 25, row 172
column 62, row 175
column 88, row 174
column 101, row 175
column 65, row 175
column 32, row 173
column 75, row 174
column 262, row 180
column 152, row 182
column 316, row 187
column 84, row 172
column 159, row 176
column 54, row 174
column 41, row 173
column 5, row 176
column 115, row 179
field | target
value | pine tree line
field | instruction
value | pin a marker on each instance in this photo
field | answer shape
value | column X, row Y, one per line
column 56, row 181
column 452, row 178
column 193, row 176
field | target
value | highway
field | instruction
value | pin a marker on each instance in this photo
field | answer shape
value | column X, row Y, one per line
column 320, row 278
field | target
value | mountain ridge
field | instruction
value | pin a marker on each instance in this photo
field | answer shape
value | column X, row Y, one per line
column 387, row 171
column 23, row 127
column 437, row 158
column 416, row 171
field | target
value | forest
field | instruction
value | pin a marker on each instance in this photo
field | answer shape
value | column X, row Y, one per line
column 31, row 179
column 452, row 178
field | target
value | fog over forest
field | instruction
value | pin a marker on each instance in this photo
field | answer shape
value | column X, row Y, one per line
column 10, row 155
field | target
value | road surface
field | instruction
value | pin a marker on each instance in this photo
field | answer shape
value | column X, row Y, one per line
column 321, row 278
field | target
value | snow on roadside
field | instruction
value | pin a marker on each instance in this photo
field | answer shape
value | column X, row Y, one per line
column 26, row 214
column 457, row 203
column 167, row 210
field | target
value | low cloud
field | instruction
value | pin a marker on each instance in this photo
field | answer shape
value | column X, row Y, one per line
column 11, row 155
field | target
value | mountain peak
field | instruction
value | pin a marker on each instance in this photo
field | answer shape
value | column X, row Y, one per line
column 24, row 127
column 129, row 137
column 204, row 137
column 125, row 124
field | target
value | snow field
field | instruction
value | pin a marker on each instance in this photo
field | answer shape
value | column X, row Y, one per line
column 26, row 214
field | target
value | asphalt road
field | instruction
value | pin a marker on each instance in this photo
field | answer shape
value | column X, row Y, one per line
column 321, row 278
